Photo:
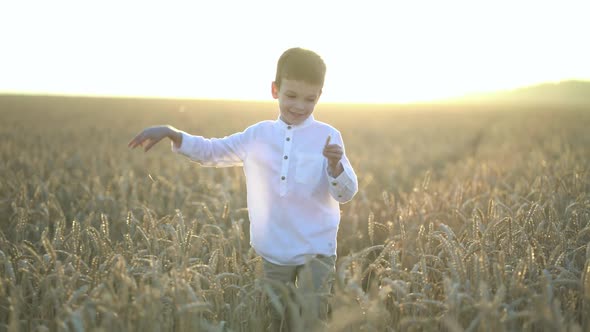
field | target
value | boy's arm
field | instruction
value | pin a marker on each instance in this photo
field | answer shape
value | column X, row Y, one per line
column 227, row 151
column 217, row 152
column 343, row 183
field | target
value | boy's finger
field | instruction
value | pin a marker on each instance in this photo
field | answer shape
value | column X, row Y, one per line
column 135, row 141
column 135, row 144
column 150, row 144
column 327, row 141
column 333, row 155
column 333, row 147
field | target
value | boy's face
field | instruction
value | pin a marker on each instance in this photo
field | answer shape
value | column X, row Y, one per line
column 297, row 99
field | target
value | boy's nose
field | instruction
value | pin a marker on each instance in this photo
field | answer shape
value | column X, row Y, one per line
column 300, row 106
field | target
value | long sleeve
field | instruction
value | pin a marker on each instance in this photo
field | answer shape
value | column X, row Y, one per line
column 216, row 152
column 344, row 186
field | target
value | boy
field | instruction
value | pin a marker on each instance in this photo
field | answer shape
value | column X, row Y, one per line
column 296, row 176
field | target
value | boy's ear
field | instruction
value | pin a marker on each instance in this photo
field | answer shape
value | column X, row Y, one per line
column 274, row 90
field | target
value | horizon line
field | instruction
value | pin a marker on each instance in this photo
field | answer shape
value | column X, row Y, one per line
column 195, row 98
column 448, row 99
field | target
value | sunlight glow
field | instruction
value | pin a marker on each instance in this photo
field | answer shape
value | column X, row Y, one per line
column 376, row 51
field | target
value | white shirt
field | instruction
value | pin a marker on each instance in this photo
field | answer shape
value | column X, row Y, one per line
column 293, row 203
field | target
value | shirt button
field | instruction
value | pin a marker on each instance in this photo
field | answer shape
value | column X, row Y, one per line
column 288, row 139
column 288, row 127
column 339, row 196
column 334, row 183
column 282, row 178
column 285, row 157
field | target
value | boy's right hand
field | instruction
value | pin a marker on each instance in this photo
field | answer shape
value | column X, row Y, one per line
column 152, row 135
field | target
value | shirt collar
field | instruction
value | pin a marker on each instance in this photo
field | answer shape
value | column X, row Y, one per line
column 303, row 124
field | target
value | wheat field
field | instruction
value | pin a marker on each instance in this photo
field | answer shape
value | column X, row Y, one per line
column 468, row 218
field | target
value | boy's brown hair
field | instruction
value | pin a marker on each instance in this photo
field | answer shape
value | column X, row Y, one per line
column 300, row 64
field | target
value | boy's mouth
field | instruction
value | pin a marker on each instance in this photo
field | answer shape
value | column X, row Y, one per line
column 296, row 114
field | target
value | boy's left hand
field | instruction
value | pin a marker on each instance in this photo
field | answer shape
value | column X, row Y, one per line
column 333, row 152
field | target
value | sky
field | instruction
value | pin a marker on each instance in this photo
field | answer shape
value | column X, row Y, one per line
column 375, row 51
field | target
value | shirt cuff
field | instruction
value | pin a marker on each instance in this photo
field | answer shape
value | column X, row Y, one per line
column 184, row 146
column 344, row 178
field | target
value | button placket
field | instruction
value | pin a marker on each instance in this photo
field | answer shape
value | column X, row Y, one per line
column 286, row 160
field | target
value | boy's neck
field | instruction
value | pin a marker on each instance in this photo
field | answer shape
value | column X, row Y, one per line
column 299, row 124
column 282, row 119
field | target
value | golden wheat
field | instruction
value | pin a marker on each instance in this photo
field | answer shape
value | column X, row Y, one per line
column 467, row 219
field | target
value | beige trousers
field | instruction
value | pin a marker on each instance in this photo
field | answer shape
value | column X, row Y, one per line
column 306, row 305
